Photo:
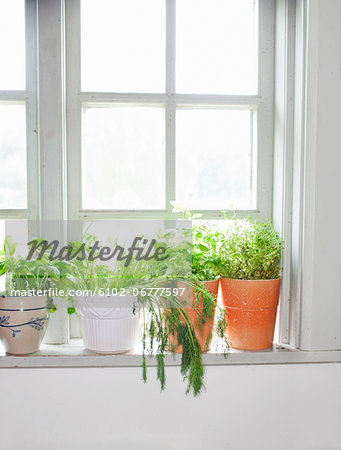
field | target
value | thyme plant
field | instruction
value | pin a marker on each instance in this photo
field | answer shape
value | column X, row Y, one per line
column 251, row 250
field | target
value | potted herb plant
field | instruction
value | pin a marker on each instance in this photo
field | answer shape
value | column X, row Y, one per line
column 109, row 321
column 250, row 257
column 153, row 300
column 201, row 295
column 110, row 313
column 23, row 317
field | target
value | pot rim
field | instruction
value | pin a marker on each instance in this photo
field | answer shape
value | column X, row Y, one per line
column 33, row 303
column 263, row 279
column 23, row 309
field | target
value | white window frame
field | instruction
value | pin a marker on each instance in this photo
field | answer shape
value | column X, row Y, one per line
column 45, row 129
column 54, row 104
column 54, row 174
column 261, row 104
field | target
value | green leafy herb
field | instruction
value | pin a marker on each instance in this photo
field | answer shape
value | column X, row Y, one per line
column 251, row 250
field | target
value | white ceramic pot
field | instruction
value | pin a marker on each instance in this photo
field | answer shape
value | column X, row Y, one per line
column 58, row 328
column 23, row 323
column 109, row 324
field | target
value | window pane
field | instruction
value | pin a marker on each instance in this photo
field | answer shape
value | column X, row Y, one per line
column 216, row 46
column 123, row 158
column 123, row 45
column 12, row 44
column 213, row 159
column 13, row 157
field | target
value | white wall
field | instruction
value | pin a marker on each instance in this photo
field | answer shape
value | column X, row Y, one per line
column 292, row 407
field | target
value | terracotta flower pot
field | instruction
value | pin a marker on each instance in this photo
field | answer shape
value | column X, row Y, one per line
column 201, row 334
column 23, row 323
column 251, row 307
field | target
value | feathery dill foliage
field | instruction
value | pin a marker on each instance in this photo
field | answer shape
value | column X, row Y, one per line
column 251, row 250
column 192, row 367
column 160, row 315
column 169, row 316
column 161, row 318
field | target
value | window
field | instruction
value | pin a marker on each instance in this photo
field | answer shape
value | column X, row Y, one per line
column 187, row 116
column 193, row 103
column 163, row 105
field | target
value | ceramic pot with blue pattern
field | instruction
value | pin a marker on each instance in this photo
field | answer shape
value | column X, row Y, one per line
column 23, row 323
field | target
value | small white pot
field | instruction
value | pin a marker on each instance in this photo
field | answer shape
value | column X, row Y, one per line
column 109, row 324
column 58, row 328
column 23, row 322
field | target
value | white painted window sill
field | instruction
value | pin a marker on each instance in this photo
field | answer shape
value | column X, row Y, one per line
column 75, row 355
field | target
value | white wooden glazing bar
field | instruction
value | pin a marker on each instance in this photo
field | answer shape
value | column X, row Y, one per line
column 170, row 106
column 13, row 96
column 185, row 99
column 164, row 214
column 283, row 149
column 51, row 118
column 13, row 214
column 32, row 123
column 73, row 108
column 266, row 56
column 52, row 135
column 74, row 126
column 298, row 173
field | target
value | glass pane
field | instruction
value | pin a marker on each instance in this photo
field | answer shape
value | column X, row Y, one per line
column 216, row 46
column 213, row 159
column 13, row 156
column 12, row 44
column 123, row 158
column 123, row 45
